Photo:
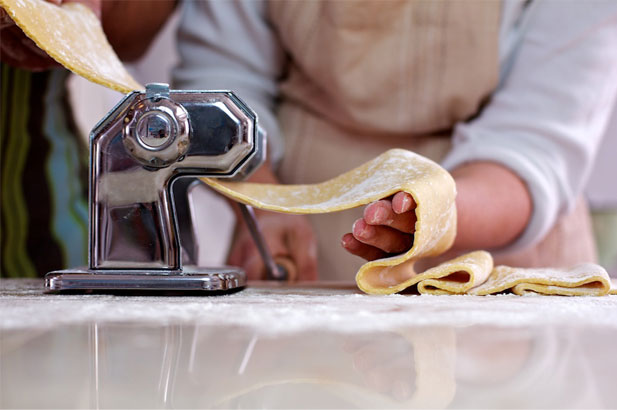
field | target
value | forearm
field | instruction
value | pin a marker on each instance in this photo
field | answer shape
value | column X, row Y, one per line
column 493, row 206
column 131, row 25
column 547, row 117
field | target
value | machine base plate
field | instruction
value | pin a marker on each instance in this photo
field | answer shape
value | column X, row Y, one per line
column 188, row 281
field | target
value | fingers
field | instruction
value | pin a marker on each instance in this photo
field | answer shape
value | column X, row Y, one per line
column 387, row 227
column 5, row 19
column 403, row 202
column 355, row 247
column 254, row 267
column 382, row 237
column 287, row 236
column 401, row 217
column 286, row 268
column 245, row 255
column 302, row 247
column 19, row 51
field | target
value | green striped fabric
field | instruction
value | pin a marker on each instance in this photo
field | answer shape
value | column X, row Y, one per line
column 44, row 170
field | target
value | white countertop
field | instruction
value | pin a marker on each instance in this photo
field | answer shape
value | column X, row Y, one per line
column 322, row 345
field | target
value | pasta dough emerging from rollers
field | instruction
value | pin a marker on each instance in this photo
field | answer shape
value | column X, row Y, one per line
column 434, row 192
column 72, row 35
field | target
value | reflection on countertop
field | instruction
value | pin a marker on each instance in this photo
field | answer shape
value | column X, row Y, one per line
column 364, row 354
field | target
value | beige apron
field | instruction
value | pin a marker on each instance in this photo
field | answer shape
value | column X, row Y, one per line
column 368, row 75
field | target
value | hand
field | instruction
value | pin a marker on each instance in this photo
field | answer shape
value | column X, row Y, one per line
column 386, row 228
column 289, row 236
column 17, row 50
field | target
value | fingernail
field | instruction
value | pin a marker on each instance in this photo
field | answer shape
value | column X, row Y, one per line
column 406, row 202
column 353, row 227
column 362, row 230
column 379, row 215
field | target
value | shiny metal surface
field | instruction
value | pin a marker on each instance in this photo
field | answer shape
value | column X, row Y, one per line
column 189, row 279
column 274, row 271
column 133, row 223
column 157, row 130
column 318, row 346
column 139, row 153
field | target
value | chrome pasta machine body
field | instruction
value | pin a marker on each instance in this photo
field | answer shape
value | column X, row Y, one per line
column 142, row 155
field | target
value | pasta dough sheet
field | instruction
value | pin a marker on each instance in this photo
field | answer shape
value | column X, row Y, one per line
column 585, row 279
column 73, row 36
column 396, row 170
column 434, row 192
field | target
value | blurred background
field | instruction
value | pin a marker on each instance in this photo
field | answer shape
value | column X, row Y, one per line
column 214, row 222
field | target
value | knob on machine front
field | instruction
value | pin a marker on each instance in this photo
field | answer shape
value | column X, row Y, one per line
column 142, row 157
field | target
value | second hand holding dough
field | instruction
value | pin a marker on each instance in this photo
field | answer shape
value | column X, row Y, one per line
column 433, row 191
column 73, row 36
column 386, row 227
column 396, row 170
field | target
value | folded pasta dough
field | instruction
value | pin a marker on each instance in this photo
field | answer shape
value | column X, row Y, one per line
column 457, row 275
column 73, row 36
column 431, row 186
column 434, row 193
column 587, row 279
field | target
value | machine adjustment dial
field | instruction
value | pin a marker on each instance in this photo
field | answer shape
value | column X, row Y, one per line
column 156, row 129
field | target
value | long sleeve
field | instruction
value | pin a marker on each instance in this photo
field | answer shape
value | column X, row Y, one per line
column 547, row 118
column 229, row 45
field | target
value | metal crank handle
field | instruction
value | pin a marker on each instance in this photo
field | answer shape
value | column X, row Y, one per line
column 287, row 266
column 274, row 271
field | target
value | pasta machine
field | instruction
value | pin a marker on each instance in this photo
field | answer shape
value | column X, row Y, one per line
column 142, row 155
